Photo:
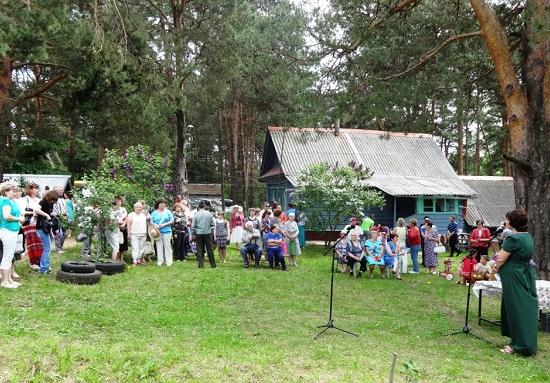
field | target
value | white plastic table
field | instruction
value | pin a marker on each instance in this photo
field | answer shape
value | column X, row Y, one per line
column 494, row 289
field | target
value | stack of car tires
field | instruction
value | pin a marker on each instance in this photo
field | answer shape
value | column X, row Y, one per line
column 88, row 273
column 110, row 267
column 78, row 273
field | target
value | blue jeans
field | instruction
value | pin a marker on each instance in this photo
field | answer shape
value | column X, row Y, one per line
column 255, row 251
column 46, row 245
column 414, row 256
column 274, row 255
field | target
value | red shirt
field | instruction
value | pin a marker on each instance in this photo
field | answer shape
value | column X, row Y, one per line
column 237, row 219
column 485, row 234
column 413, row 235
column 468, row 265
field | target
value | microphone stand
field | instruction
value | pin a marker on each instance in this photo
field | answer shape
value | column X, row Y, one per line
column 466, row 329
column 330, row 322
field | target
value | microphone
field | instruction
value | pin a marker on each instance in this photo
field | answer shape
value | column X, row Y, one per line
column 350, row 228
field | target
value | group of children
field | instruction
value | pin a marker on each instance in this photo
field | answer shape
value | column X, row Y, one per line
column 471, row 270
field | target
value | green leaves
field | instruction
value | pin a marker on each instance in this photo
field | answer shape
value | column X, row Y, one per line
column 330, row 194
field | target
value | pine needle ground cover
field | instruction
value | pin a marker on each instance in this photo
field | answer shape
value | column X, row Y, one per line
column 182, row 324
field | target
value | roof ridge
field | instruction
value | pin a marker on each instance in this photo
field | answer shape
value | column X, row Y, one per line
column 486, row 178
column 347, row 130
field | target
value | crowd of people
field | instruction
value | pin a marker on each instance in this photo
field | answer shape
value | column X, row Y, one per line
column 31, row 223
column 370, row 245
column 35, row 221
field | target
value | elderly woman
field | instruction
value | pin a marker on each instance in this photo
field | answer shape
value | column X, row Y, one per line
column 10, row 224
column 291, row 233
column 137, row 231
column 373, row 248
column 431, row 239
column 518, row 315
column 162, row 219
column 341, row 251
column 355, row 256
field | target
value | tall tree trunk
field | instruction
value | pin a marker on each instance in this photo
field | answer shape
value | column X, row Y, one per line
column 528, row 117
column 71, row 153
column 235, row 129
column 5, row 86
column 100, row 153
column 180, row 165
column 460, row 148
column 5, row 82
column 477, row 157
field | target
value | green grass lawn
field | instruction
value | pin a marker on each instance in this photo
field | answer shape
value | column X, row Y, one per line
column 159, row 324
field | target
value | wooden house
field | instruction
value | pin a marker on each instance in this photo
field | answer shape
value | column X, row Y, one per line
column 409, row 169
column 494, row 198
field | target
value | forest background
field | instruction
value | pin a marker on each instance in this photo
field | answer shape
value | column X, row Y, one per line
column 93, row 75
column 200, row 82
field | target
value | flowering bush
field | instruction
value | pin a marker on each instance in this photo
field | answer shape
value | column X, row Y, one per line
column 330, row 194
column 135, row 174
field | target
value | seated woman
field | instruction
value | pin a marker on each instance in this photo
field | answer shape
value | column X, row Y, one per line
column 342, row 251
column 355, row 256
column 373, row 248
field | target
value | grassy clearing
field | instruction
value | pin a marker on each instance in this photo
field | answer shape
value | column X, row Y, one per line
column 159, row 324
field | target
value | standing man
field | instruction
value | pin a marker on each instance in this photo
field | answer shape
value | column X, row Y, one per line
column 201, row 229
column 60, row 210
column 452, row 234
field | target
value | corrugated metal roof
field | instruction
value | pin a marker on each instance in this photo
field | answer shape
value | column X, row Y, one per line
column 43, row 180
column 403, row 164
column 495, row 197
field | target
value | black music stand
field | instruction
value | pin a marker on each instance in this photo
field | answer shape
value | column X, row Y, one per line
column 330, row 322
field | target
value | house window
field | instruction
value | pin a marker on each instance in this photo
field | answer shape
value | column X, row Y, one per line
column 439, row 205
column 428, row 205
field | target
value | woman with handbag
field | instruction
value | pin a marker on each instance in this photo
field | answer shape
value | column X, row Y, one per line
column 162, row 219
column 431, row 240
column 44, row 228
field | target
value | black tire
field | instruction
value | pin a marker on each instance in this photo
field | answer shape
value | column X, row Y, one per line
column 79, row 267
column 109, row 267
column 79, row 279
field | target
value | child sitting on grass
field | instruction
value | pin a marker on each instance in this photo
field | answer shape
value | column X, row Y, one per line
column 483, row 269
column 467, row 267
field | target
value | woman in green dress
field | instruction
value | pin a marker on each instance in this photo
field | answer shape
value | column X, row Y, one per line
column 519, row 309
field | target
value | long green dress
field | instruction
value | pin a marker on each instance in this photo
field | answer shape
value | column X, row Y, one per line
column 519, row 309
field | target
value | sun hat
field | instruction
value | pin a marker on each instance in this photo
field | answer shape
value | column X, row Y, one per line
column 154, row 233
